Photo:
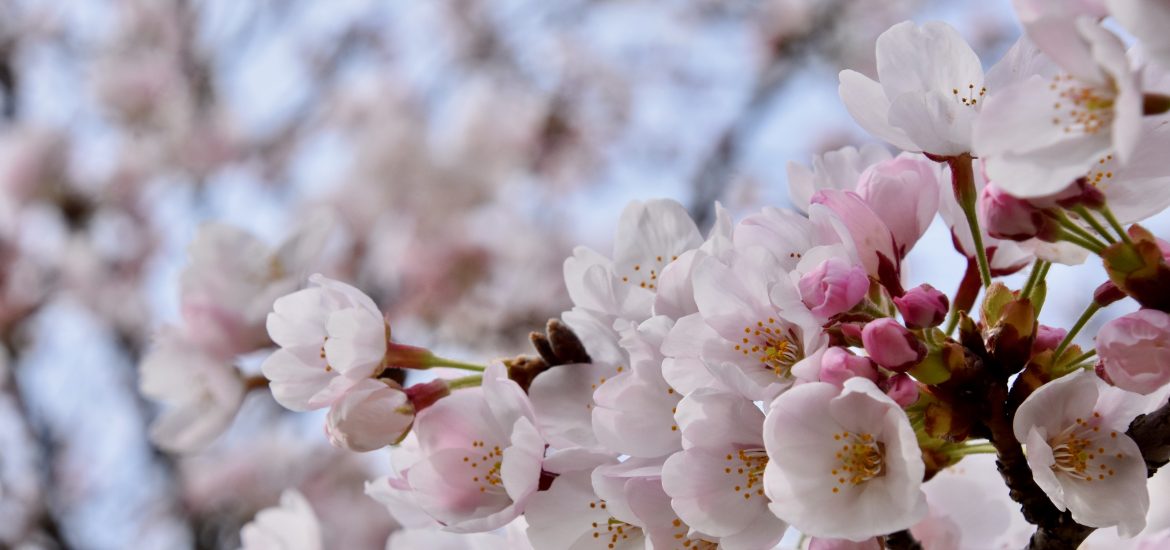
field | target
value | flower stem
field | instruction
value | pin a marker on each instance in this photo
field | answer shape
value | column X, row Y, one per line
column 1116, row 225
column 465, row 382
column 1068, row 338
column 974, row 448
column 437, row 361
column 1074, row 229
column 1095, row 248
column 1035, row 277
column 963, row 180
column 1088, row 217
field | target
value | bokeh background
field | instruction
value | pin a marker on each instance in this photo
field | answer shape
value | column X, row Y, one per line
column 463, row 148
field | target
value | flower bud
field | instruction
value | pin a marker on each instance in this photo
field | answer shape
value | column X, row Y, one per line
column 1008, row 217
column 923, row 307
column 370, row 415
column 1133, row 350
column 839, row 365
column 901, row 388
column 1047, row 338
column 1107, row 294
column 891, row 345
column 426, row 394
column 833, row 287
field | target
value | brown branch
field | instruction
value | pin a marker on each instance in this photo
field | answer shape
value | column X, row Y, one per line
column 901, row 540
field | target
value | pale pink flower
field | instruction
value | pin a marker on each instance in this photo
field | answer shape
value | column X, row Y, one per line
column 754, row 328
column 835, row 286
column 783, row 232
column 649, row 236
column 232, row 278
column 201, row 392
column 1135, row 350
column 842, row 463
column 370, row 415
column 571, row 514
column 1039, row 134
column 716, row 483
column 331, row 336
column 891, row 345
column 903, row 192
column 840, row 169
column 1074, row 431
column 970, row 510
column 480, row 455
column 928, row 93
column 845, row 217
column 634, row 411
column 675, row 296
column 290, row 526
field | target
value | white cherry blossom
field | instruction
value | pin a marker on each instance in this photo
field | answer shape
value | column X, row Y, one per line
column 842, row 463
column 292, row 525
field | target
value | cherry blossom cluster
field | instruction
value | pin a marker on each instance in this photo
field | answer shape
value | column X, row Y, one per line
column 777, row 375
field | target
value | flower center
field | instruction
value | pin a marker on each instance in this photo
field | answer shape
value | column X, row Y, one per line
column 682, row 536
column 775, row 348
column 1079, row 108
column 745, row 471
column 1102, row 172
column 969, row 97
column 613, row 530
column 485, row 468
column 1076, row 455
column 861, row 459
column 645, row 274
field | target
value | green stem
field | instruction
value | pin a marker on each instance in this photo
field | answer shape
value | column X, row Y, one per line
column 1095, row 248
column 974, row 448
column 1088, row 217
column 1073, row 228
column 1039, row 271
column 437, row 361
column 465, row 382
column 1068, row 338
column 1116, row 225
column 963, row 180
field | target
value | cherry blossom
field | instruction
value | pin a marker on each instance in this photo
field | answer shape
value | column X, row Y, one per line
column 370, row 415
column 928, row 93
column 1074, row 430
column 1133, row 350
column 842, row 462
column 201, row 392
column 290, row 526
column 481, row 455
column 331, row 336
column 716, row 483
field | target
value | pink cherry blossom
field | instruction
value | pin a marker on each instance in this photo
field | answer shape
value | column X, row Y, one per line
column 1135, row 350
column 842, row 462
column 716, row 482
column 903, row 192
column 840, row 169
column 928, row 93
column 1074, row 431
column 290, row 526
column 1007, row 217
column 839, row 364
column 201, row 392
column 369, row 415
column 480, row 455
column 331, row 336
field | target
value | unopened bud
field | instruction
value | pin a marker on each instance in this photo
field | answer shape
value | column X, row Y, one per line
column 923, row 307
column 839, row 365
column 890, row 345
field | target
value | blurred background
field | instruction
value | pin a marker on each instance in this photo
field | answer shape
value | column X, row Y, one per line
column 464, row 146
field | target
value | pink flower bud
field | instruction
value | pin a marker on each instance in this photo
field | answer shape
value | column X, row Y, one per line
column 368, row 416
column 923, row 306
column 408, row 357
column 839, row 365
column 833, row 287
column 901, row 388
column 1047, row 338
column 1134, row 350
column 891, row 345
column 426, row 394
column 1007, row 217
